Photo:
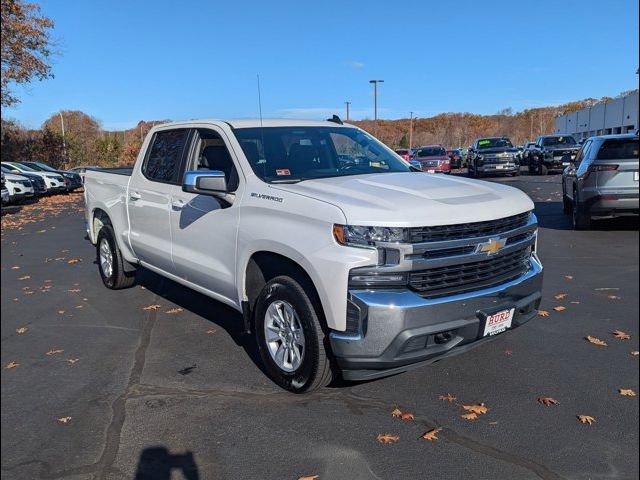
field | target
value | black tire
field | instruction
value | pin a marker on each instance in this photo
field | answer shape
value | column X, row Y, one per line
column 314, row 370
column 581, row 217
column 118, row 278
column 516, row 173
column 544, row 171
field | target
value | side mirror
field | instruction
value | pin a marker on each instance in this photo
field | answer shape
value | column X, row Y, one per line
column 205, row 182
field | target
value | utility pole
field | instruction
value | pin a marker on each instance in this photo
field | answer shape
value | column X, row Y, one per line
column 375, row 101
column 410, row 130
column 347, row 104
column 64, row 145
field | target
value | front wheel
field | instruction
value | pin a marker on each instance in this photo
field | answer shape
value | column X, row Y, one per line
column 290, row 337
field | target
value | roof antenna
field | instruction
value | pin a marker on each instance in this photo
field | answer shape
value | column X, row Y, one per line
column 259, row 100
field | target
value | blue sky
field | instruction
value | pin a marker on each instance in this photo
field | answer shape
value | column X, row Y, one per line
column 124, row 61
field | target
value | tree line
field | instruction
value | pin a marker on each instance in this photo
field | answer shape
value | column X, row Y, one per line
column 85, row 142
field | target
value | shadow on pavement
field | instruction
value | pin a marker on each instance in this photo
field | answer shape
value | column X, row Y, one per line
column 208, row 308
column 156, row 463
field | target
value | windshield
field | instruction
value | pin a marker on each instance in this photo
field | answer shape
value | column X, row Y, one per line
column 20, row 167
column 291, row 154
column 550, row 141
column 494, row 143
column 41, row 167
column 431, row 152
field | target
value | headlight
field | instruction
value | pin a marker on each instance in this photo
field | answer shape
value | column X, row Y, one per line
column 355, row 236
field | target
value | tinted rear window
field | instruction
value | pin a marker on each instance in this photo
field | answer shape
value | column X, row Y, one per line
column 619, row 148
column 165, row 155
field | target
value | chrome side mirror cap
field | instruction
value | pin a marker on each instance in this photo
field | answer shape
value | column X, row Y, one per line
column 205, row 182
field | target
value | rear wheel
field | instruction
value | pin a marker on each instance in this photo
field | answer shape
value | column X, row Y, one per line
column 543, row 170
column 110, row 262
column 290, row 337
column 581, row 217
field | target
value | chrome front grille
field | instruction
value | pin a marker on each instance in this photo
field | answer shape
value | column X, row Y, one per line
column 456, row 279
column 454, row 259
column 468, row 230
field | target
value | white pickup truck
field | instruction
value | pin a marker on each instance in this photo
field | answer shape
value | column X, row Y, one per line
column 341, row 258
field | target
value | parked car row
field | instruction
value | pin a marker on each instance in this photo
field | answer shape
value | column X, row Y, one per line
column 27, row 180
column 433, row 158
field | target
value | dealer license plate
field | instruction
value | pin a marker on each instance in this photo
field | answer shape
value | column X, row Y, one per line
column 500, row 167
column 431, row 171
column 498, row 322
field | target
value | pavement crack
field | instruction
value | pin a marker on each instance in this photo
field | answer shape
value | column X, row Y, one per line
column 118, row 407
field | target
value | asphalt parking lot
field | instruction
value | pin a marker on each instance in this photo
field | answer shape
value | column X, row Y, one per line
column 175, row 391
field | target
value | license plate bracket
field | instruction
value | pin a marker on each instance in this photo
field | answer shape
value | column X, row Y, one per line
column 496, row 321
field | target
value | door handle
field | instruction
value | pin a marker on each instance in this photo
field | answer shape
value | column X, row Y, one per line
column 177, row 204
column 133, row 196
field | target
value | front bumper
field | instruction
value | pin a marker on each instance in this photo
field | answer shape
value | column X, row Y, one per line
column 402, row 330
column 499, row 168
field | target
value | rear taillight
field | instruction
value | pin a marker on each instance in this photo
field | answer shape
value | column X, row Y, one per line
column 602, row 168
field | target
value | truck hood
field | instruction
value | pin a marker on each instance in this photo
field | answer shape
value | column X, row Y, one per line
column 413, row 199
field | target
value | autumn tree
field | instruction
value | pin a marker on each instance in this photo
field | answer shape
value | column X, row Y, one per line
column 81, row 131
column 26, row 47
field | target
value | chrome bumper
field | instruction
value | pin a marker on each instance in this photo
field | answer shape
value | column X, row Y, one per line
column 402, row 330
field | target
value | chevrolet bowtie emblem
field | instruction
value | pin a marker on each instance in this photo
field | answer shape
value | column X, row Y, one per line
column 493, row 246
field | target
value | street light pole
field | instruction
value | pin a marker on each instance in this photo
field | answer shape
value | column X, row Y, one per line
column 64, row 145
column 347, row 104
column 375, row 100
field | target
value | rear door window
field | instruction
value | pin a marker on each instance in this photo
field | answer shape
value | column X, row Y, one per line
column 618, row 149
column 165, row 156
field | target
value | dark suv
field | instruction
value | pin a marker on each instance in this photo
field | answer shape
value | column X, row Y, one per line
column 493, row 155
column 552, row 153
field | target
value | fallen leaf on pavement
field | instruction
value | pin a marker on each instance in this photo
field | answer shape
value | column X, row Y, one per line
column 74, row 260
column 508, row 352
column 559, row 308
column 569, row 277
column 548, row 401
column 64, row 420
column 469, row 416
column 309, row 477
column 407, row 416
column 387, row 438
column 72, row 361
column 11, row 365
column 53, row 352
column 61, row 312
column 151, row 307
column 614, row 297
column 621, row 335
column 174, row 310
column 74, row 290
column 212, row 330
column 575, row 302
column 543, row 313
column 635, row 353
column 22, row 330
column 25, row 277
column 477, row 409
column 595, row 341
column 586, row 419
column 396, row 413
column 431, row 434
column 448, row 398
column 561, row 296
column 606, row 289
column 627, row 392
column 15, row 267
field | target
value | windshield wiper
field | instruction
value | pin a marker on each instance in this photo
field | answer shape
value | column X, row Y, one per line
column 288, row 180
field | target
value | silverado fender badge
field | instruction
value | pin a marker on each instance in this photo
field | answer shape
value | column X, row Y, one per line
column 493, row 246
